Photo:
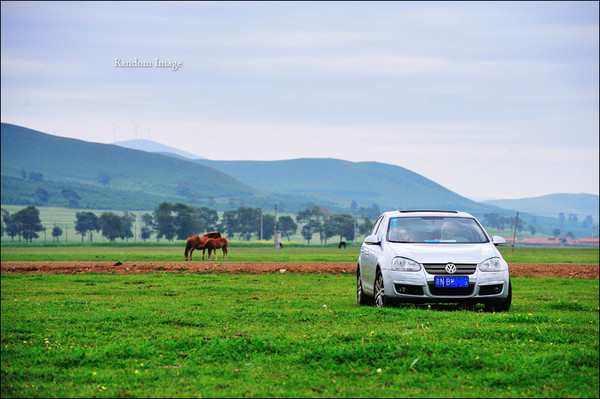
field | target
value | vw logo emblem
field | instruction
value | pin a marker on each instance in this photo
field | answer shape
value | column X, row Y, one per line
column 450, row 268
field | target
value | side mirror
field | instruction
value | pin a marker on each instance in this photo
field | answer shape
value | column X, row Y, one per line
column 497, row 240
column 372, row 240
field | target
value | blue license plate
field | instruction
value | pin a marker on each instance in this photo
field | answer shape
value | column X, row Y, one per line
column 443, row 282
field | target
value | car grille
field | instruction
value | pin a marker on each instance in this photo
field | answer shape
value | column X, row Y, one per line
column 440, row 268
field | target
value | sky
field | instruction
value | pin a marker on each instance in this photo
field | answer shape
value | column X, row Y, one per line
column 489, row 99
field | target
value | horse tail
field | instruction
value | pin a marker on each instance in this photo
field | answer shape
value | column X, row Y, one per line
column 188, row 245
column 225, row 249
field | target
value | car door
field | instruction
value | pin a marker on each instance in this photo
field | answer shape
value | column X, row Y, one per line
column 369, row 254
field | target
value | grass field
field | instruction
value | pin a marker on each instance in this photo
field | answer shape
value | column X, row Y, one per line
column 285, row 335
column 254, row 252
column 291, row 335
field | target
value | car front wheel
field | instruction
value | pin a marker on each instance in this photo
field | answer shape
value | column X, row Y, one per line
column 379, row 292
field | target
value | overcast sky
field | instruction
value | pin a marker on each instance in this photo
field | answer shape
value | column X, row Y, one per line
column 489, row 99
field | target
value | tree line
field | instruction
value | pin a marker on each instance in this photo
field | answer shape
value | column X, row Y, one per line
column 179, row 221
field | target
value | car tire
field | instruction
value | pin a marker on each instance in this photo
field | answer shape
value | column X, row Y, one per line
column 361, row 297
column 501, row 305
column 379, row 291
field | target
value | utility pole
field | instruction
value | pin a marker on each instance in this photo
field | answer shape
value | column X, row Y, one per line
column 515, row 232
column 276, row 238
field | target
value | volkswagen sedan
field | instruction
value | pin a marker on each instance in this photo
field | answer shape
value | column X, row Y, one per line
column 432, row 256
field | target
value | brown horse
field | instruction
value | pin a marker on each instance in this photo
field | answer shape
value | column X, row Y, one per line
column 197, row 242
column 212, row 244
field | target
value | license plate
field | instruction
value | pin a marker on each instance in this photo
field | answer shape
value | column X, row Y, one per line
column 443, row 282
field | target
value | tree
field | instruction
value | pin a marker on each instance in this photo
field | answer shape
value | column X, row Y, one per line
column 71, row 196
column 126, row 224
column 373, row 212
column 111, row 225
column 342, row 225
column 588, row 222
column 317, row 218
column 287, row 226
column 41, row 194
column 364, row 228
column 556, row 232
column 230, row 223
column 29, row 222
column 187, row 221
column 269, row 226
column 249, row 221
column 56, row 232
column 104, row 179
column 147, row 226
column 497, row 221
column 86, row 221
column 163, row 219
column 307, row 232
column 12, row 228
column 209, row 217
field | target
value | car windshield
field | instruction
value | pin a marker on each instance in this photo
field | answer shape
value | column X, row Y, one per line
column 435, row 229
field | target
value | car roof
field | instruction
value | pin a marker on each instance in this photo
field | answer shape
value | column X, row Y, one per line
column 427, row 212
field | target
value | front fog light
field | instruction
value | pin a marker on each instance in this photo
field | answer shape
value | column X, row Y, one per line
column 405, row 265
column 490, row 265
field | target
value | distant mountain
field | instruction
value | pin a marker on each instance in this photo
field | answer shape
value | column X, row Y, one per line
column 132, row 175
column 341, row 182
column 552, row 205
column 37, row 168
column 152, row 146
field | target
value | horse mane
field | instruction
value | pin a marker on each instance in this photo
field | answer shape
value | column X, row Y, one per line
column 213, row 234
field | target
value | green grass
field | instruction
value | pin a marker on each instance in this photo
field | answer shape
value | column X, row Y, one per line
column 288, row 335
column 253, row 252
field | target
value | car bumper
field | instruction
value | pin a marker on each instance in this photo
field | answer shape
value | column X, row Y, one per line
column 420, row 286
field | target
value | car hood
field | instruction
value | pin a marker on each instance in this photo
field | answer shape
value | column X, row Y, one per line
column 444, row 253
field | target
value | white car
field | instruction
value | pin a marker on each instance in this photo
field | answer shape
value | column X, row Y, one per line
column 432, row 256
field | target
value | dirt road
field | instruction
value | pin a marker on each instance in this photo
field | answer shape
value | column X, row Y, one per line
column 570, row 270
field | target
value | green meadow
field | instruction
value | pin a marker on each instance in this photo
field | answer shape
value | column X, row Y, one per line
column 285, row 335
column 288, row 335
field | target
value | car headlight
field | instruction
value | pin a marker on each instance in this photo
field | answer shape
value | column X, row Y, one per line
column 490, row 265
column 405, row 265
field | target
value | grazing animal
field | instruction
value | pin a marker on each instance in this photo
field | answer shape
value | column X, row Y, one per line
column 342, row 244
column 212, row 244
column 197, row 242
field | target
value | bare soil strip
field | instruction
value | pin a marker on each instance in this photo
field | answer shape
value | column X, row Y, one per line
column 569, row 270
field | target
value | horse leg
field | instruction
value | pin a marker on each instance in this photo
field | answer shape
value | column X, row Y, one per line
column 225, row 253
column 204, row 250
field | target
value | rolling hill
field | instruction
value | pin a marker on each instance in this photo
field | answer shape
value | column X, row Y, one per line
column 340, row 182
column 552, row 205
column 107, row 176
column 77, row 164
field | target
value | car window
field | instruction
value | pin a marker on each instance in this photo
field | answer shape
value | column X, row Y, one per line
column 376, row 226
column 435, row 229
